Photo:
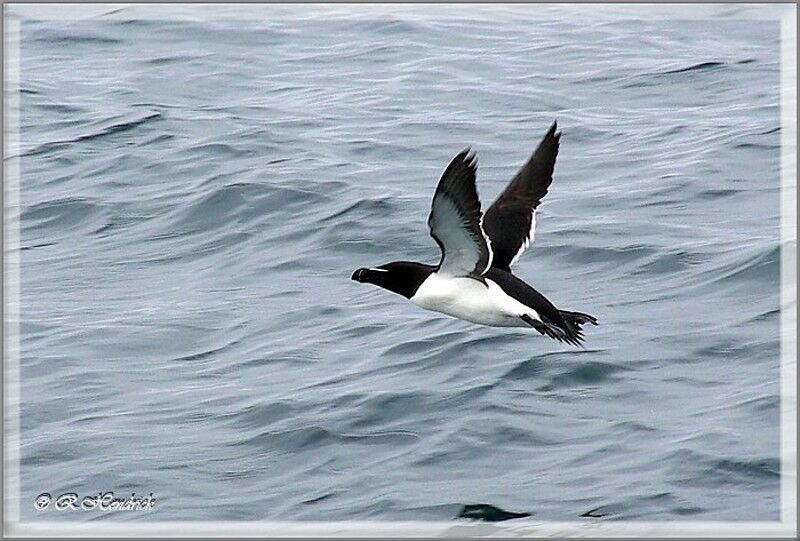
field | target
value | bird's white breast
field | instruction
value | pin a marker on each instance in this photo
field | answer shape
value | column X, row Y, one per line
column 469, row 299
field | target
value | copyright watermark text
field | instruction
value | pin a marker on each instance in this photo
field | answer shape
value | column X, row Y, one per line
column 102, row 501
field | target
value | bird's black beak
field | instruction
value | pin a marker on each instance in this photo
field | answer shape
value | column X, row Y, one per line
column 358, row 275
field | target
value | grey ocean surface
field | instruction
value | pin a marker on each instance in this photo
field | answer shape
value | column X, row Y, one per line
column 196, row 193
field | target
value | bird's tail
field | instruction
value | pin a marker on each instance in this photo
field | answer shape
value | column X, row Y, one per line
column 578, row 318
column 567, row 330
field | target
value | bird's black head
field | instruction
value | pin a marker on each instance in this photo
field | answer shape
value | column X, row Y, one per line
column 402, row 277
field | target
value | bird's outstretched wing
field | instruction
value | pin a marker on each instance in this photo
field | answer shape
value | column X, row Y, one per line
column 511, row 220
column 455, row 220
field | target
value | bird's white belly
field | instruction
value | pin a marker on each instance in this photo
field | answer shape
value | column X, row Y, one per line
column 469, row 299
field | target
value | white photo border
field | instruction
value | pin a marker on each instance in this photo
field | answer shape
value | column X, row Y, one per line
column 786, row 527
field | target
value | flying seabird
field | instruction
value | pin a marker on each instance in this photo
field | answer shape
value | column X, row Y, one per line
column 473, row 280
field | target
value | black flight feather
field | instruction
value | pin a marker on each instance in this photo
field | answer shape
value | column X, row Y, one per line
column 508, row 221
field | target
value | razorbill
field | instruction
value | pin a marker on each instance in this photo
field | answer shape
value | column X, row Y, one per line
column 473, row 280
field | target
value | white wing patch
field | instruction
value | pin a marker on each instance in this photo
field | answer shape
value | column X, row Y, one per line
column 528, row 239
column 462, row 251
column 488, row 242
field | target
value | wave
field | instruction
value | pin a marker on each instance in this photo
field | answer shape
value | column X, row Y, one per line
column 585, row 374
column 669, row 262
column 384, row 26
column 763, row 266
column 653, row 78
column 243, row 204
column 540, row 365
column 701, row 66
column 59, row 213
column 172, row 59
column 48, row 223
column 645, row 506
column 62, row 39
column 315, row 437
column 589, row 255
column 364, row 209
column 104, row 128
column 703, row 469
column 706, row 66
